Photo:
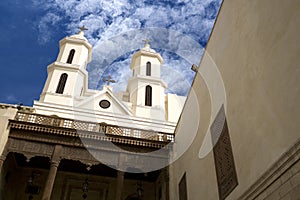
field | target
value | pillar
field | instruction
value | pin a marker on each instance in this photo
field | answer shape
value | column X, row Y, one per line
column 166, row 180
column 50, row 180
column 52, row 172
column 120, row 183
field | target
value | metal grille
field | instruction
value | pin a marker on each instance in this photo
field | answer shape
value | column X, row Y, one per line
column 31, row 118
column 92, row 127
column 170, row 138
column 137, row 133
column 68, row 124
column 114, row 130
column 43, row 120
column 20, row 116
column 81, row 125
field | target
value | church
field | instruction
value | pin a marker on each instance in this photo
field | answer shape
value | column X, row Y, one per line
column 99, row 144
column 235, row 136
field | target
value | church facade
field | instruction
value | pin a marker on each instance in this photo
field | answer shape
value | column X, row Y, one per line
column 77, row 143
column 144, row 102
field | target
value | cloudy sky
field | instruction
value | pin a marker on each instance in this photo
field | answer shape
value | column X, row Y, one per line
column 30, row 32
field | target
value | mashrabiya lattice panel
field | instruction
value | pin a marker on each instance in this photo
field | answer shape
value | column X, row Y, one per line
column 223, row 156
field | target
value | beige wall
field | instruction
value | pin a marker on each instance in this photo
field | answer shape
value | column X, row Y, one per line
column 255, row 45
column 6, row 112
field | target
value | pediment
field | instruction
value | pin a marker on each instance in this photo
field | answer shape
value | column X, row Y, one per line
column 109, row 103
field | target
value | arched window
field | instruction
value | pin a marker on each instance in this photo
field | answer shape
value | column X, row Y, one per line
column 148, row 69
column 148, row 97
column 61, row 84
column 71, row 56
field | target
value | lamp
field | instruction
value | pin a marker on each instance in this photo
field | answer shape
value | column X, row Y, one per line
column 31, row 188
column 85, row 188
column 194, row 68
column 139, row 191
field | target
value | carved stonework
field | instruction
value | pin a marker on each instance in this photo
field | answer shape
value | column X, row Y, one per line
column 29, row 148
column 79, row 154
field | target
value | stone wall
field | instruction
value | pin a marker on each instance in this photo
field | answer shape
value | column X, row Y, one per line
column 287, row 186
column 6, row 112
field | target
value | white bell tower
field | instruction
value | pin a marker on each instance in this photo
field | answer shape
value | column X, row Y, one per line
column 146, row 89
column 67, row 76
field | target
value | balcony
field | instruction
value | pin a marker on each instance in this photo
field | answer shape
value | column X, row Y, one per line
column 90, row 130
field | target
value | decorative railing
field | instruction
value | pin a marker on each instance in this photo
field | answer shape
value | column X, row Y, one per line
column 112, row 130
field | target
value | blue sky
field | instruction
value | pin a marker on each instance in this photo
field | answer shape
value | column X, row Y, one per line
column 30, row 32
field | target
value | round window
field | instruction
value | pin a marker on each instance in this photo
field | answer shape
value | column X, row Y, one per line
column 104, row 104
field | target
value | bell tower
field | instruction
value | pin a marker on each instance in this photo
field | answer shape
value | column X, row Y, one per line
column 146, row 88
column 67, row 76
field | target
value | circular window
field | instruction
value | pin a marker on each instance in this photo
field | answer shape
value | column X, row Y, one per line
column 104, row 104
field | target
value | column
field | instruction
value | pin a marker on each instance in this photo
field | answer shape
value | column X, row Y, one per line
column 166, row 180
column 50, row 180
column 52, row 172
column 120, row 182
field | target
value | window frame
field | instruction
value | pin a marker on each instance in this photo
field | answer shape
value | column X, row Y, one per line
column 61, row 83
column 71, row 56
column 148, row 68
column 148, row 95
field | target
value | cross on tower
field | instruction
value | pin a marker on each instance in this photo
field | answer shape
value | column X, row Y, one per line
column 147, row 41
column 108, row 80
column 82, row 28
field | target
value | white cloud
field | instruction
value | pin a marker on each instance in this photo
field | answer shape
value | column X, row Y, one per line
column 105, row 52
column 43, row 27
column 11, row 98
column 117, row 27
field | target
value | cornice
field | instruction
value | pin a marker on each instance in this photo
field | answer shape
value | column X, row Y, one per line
column 284, row 163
